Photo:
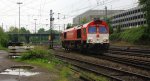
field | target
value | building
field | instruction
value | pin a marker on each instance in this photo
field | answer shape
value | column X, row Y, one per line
column 90, row 14
column 129, row 18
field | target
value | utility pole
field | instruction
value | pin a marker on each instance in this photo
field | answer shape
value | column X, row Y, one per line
column 106, row 12
column 35, row 25
column 19, row 3
column 26, row 27
column 58, row 15
column 51, row 28
column 64, row 24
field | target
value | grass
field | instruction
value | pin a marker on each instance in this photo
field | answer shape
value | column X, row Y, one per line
column 52, row 66
column 45, row 59
column 133, row 36
column 94, row 76
column 41, row 62
column 3, row 48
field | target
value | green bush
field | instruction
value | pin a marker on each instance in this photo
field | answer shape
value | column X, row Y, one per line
column 133, row 35
column 37, row 54
column 3, row 38
column 115, row 36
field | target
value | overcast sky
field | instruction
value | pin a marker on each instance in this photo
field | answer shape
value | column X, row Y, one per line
column 39, row 9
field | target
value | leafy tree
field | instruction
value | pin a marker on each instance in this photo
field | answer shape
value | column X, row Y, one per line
column 13, row 29
column 83, row 20
column 118, row 30
column 109, row 25
column 23, row 30
column 41, row 30
column 69, row 25
column 3, row 38
column 146, row 10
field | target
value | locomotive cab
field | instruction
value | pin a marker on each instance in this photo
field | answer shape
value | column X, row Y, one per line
column 93, row 35
column 98, row 35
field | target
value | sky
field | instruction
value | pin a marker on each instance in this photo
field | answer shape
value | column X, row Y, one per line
column 40, row 10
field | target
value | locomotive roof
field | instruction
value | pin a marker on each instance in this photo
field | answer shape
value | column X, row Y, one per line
column 73, row 28
column 84, row 26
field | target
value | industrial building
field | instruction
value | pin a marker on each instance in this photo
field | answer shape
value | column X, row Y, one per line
column 90, row 14
column 119, row 18
column 129, row 18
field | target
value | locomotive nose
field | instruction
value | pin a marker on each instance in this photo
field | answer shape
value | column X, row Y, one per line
column 97, row 35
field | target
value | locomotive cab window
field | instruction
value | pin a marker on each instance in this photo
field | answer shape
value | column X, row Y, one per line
column 102, row 29
column 65, row 35
column 92, row 29
column 79, row 33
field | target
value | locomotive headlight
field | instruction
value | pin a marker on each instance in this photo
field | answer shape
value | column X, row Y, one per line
column 90, row 40
column 105, row 40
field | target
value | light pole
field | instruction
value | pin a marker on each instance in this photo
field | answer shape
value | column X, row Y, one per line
column 35, row 25
column 58, row 15
column 46, row 22
column 64, row 24
column 26, row 27
column 19, row 3
column 106, row 12
column 51, row 28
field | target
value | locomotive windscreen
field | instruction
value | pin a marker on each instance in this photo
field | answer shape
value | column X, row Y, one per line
column 92, row 29
column 102, row 29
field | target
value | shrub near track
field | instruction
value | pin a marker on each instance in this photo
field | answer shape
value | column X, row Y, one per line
column 3, row 38
column 37, row 53
column 45, row 59
column 133, row 35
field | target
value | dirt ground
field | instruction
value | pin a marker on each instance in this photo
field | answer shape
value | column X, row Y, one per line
column 5, row 63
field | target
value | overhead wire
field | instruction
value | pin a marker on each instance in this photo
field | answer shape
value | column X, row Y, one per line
column 70, row 15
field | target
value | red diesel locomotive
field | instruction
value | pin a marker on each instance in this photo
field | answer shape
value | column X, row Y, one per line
column 91, row 36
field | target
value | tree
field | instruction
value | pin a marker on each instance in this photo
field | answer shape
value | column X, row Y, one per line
column 83, row 20
column 69, row 26
column 109, row 25
column 41, row 30
column 118, row 29
column 146, row 10
column 13, row 29
column 3, row 38
column 24, row 31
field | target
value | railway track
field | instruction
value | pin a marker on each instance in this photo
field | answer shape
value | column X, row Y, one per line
column 142, row 64
column 124, row 56
column 130, row 50
column 111, row 72
column 121, row 52
column 113, row 56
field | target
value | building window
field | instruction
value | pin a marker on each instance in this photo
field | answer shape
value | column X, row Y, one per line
column 139, row 23
column 139, row 10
